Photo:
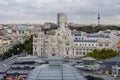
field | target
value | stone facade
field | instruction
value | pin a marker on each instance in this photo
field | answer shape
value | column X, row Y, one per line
column 66, row 44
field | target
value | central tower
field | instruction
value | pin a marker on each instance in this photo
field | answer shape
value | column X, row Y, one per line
column 61, row 21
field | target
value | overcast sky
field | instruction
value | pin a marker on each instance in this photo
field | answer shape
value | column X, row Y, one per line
column 78, row 11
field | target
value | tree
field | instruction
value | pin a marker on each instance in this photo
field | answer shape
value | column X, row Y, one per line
column 102, row 54
column 7, row 54
column 28, row 48
column 91, row 29
column 17, row 49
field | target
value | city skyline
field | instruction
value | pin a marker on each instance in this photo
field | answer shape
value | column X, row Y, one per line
column 78, row 11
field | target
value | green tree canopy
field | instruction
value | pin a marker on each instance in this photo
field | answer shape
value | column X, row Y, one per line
column 28, row 48
column 93, row 29
column 102, row 54
column 18, row 48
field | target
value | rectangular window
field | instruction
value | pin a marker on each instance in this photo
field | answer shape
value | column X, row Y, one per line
column 100, row 44
column 76, row 53
column 67, row 44
column 106, row 44
column 92, row 44
column 35, row 48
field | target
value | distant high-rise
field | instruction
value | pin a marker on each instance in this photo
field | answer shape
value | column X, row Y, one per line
column 98, row 19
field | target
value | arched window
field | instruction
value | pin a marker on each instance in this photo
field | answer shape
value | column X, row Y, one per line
column 67, row 53
column 58, row 34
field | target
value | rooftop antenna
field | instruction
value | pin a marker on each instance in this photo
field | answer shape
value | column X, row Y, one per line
column 98, row 18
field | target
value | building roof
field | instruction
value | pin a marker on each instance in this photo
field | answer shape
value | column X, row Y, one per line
column 10, row 78
column 55, row 58
column 78, row 40
column 88, row 58
column 29, row 59
column 55, row 72
column 77, row 34
column 94, row 35
column 98, row 35
column 114, row 59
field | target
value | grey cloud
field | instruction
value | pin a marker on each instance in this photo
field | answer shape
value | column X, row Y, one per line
column 25, row 10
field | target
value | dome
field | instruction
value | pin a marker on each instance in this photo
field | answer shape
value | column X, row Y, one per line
column 55, row 71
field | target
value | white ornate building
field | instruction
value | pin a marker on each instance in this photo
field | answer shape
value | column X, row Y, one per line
column 66, row 44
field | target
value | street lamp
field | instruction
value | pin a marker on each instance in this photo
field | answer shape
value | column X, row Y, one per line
column 18, row 50
column 103, row 67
